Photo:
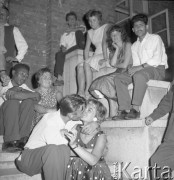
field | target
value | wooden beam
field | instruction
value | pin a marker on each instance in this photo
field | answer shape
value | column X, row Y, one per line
column 121, row 10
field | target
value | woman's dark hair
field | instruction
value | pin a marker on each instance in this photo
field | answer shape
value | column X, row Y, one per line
column 71, row 13
column 71, row 103
column 39, row 73
column 21, row 66
column 94, row 12
column 124, row 36
column 100, row 109
column 139, row 17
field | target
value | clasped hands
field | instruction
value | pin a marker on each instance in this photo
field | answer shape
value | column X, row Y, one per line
column 134, row 69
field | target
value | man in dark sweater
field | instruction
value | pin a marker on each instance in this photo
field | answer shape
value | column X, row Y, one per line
column 162, row 161
column 14, row 45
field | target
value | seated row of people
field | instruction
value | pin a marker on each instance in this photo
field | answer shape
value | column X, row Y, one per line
column 146, row 59
column 23, row 107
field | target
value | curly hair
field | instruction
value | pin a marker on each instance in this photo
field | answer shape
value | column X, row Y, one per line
column 39, row 73
column 100, row 109
column 124, row 36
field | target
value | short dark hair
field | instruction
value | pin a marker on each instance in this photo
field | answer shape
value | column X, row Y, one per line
column 39, row 73
column 139, row 17
column 94, row 12
column 100, row 109
column 71, row 103
column 71, row 13
column 124, row 36
column 21, row 66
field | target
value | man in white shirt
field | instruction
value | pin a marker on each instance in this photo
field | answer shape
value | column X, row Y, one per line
column 72, row 39
column 17, row 111
column 46, row 149
column 149, row 62
column 12, row 39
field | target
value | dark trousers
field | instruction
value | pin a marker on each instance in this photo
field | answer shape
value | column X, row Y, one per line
column 60, row 56
column 139, row 80
column 52, row 160
column 162, row 162
column 16, row 119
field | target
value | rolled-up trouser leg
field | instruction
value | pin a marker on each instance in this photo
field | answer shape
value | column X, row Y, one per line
column 52, row 160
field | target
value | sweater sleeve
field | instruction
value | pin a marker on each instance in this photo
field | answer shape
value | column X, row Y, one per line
column 165, row 106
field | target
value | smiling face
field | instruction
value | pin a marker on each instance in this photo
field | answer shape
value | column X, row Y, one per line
column 140, row 29
column 45, row 80
column 20, row 76
column 94, row 22
column 89, row 113
column 116, row 37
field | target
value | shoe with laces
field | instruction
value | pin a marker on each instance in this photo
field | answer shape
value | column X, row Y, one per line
column 133, row 114
column 11, row 147
column 121, row 115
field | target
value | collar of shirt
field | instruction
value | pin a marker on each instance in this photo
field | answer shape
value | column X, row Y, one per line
column 144, row 39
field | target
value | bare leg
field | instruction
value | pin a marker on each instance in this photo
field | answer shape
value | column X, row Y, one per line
column 113, row 107
column 89, row 77
column 81, row 80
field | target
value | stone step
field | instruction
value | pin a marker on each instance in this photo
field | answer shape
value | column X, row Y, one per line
column 7, row 165
column 4, row 156
column 14, row 174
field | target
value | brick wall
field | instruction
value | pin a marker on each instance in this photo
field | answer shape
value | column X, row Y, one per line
column 43, row 21
column 31, row 18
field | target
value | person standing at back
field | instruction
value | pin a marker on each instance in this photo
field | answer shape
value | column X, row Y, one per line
column 11, row 39
column 72, row 39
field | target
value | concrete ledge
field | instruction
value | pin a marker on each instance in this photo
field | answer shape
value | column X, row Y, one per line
column 133, row 123
column 132, row 142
